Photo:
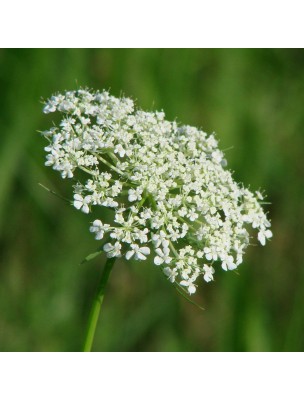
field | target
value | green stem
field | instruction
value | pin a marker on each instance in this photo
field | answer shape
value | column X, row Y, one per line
column 96, row 306
column 110, row 165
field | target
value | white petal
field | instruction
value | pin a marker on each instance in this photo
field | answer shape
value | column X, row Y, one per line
column 166, row 251
column 108, row 247
column 268, row 234
column 97, row 222
column 77, row 204
column 261, row 238
column 158, row 260
column 132, row 197
column 78, row 197
column 88, row 199
column 145, row 250
column 165, row 243
column 167, row 271
column 159, row 252
column 140, row 256
column 85, row 209
column 191, row 288
column 99, row 235
column 129, row 254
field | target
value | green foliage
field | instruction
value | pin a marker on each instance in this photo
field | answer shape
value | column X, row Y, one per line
column 253, row 99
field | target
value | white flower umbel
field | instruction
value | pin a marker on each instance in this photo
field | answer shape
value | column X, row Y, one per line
column 166, row 184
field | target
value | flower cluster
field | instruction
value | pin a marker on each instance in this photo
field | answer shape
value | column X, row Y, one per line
column 166, row 185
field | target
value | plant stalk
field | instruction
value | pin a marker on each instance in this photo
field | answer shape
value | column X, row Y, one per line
column 96, row 306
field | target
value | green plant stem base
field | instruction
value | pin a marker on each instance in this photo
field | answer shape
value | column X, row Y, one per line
column 96, row 306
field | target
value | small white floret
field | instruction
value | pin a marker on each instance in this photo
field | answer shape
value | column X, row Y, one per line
column 82, row 203
column 139, row 253
column 263, row 235
column 189, row 285
column 208, row 273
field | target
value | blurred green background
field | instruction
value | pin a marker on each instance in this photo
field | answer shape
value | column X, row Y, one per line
column 253, row 100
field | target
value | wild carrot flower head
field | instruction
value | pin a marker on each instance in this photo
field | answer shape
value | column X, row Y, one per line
column 172, row 198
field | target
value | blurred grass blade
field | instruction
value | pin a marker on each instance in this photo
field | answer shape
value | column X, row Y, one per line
column 182, row 293
column 54, row 193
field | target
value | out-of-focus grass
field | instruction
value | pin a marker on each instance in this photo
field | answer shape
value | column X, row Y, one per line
column 254, row 100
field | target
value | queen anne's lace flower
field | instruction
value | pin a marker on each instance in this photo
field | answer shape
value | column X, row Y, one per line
column 166, row 184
